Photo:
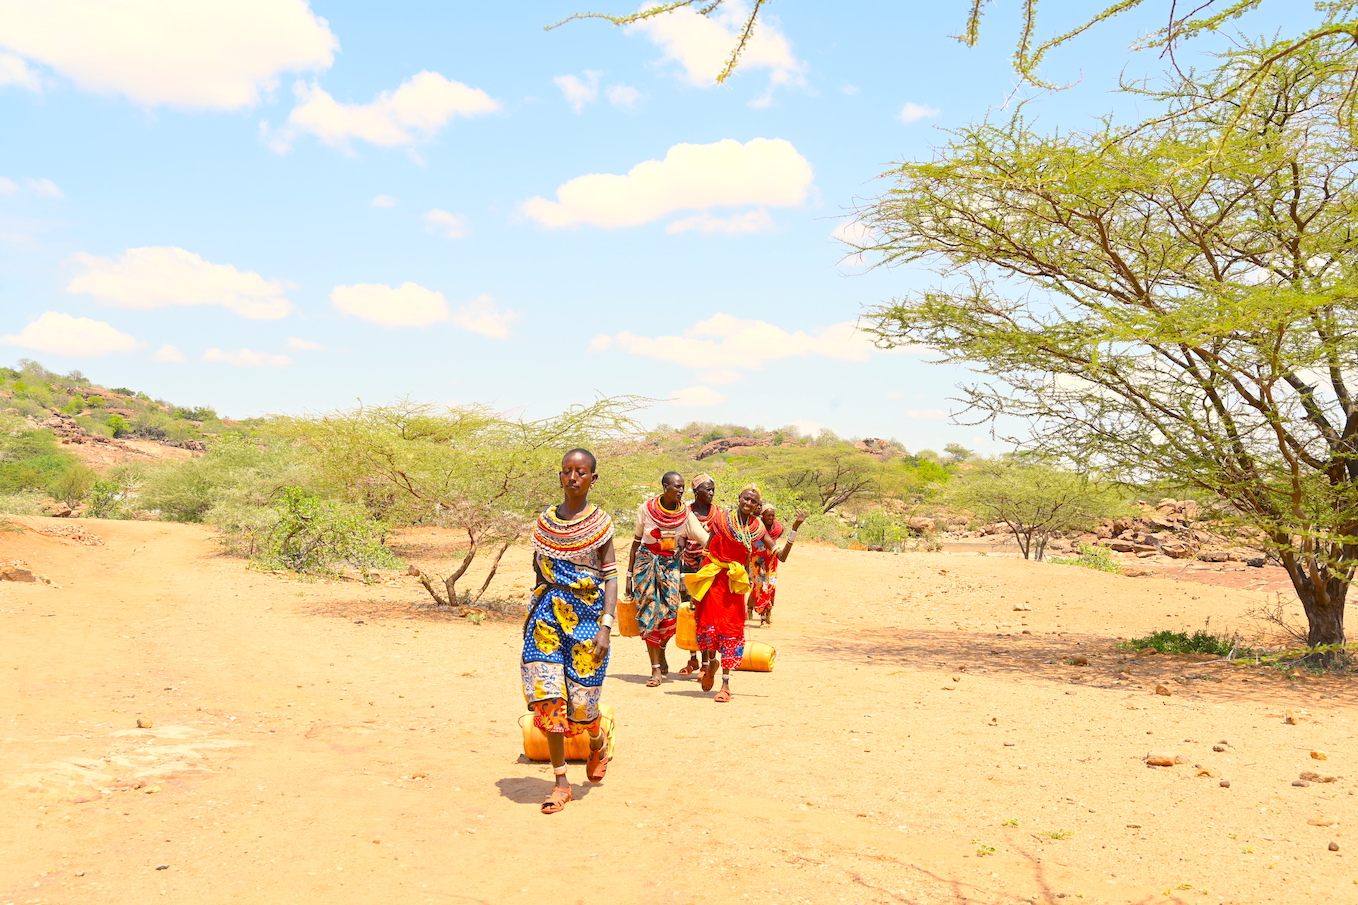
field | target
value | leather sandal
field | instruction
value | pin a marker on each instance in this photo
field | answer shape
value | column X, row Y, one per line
column 710, row 674
column 556, row 801
column 723, row 696
column 598, row 762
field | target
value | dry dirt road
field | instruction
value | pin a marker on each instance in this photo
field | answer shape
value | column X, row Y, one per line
column 922, row 740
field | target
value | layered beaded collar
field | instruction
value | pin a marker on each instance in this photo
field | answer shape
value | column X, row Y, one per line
column 557, row 537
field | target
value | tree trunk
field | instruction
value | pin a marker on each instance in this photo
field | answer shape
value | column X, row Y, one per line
column 493, row 566
column 1322, row 593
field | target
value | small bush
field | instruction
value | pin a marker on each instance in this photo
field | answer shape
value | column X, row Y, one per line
column 303, row 533
column 1091, row 557
column 118, row 424
column 104, row 499
column 878, row 529
column 1200, row 642
column 73, row 484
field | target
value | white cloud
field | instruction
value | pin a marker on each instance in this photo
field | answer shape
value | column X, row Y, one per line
column 304, row 345
column 926, row 414
column 247, row 358
column 8, row 186
column 75, row 337
column 412, row 305
column 579, row 91
column 756, row 221
column 168, row 354
column 407, row 305
column 701, row 45
column 414, row 112
column 14, row 71
column 849, row 89
column 156, row 277
column 384, row 201
column 695, row 397
column 763, row 171
column 808, row 428
column 44, row 188
column 623, row 96
column 913, row 112
column 208, row 54
column 454, row 226
column 895, row 394
column 482, row 315
column 723, row 342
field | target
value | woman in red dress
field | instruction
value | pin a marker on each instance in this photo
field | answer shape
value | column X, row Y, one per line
column 720, row 586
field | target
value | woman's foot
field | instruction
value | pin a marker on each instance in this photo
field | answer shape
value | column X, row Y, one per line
column 598, row 762
column 656, row 678
column 709, row 674
column 723, row 696
column 664, row 665
column 691, row 668
column 556, row 801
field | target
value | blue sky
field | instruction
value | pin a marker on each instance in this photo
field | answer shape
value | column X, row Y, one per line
column 275, row 206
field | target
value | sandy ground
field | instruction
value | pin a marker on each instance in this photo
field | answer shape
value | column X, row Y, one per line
column 921, row 740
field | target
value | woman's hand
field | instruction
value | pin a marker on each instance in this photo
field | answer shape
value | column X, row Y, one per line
column 631, row 589
column 801, row 517
column 601, row 641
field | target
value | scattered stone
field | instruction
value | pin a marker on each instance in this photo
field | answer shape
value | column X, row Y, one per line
column 1309, row 776
column 1289, row 718
column 1323, row 821
column 1334, row 846
column 1146, row 652
column 13, row 573
column 1163, row 691
column 1319, row 755
column 62, row 512
column 1214, row 556
column 1256, row 562
column 1205, row 772
column 1133, row 826
column 1300, row 783
column 1225, row 783
column 1009, row 744
column 1079, row 661
column 151, row 790
column 1218, row 748
column 163, row 867
column 145, row 722
column 1164, row 758
column 1022, row 608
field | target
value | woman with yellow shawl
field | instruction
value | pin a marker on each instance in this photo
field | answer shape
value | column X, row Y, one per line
column 720, row 586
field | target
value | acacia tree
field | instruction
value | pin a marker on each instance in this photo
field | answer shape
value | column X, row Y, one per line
column 467, row 467
column 1333, row 32
column 1034, row 499
column 1173, row 300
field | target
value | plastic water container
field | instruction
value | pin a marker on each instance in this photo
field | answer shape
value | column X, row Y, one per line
column 577, row 746
column 686, row 629
column 758, row 657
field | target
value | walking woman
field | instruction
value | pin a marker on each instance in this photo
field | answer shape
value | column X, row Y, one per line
column 664, row 527
column 768, row 553
column 720, row 586
column 566, row 635
column 704, row 510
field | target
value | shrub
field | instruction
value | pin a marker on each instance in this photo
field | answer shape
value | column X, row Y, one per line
column 1091, row 557
column 94, row 402
column 72, row 484
column 104, row 499
column 1200, row 642
column 118, row 424
column 878, row 529
column 303, row 533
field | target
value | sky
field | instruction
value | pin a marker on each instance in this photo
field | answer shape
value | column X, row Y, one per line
column 275, row 206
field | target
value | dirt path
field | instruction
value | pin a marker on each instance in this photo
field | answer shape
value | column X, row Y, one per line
column 922, row 740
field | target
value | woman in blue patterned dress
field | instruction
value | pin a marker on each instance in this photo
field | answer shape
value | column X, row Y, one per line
column 566, row 635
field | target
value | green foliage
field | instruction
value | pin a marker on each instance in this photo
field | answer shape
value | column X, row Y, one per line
column 94, row 402
column 72, row 484
column 1174, row 300
column 879, row 529
column 103, row 499
column 1034, row 499
column 465, row 467
column 303, row 533
column 118, row 424
column 1091, row 557
column 1200, row 642
column 32, row 461
column 200, row 413
column 233, row 472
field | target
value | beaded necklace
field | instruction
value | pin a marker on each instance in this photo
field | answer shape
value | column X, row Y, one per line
column 560, row 538
column 666, row 518
column 744, row 534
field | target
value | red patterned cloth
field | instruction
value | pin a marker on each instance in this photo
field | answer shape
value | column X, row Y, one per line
column 721, row 611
